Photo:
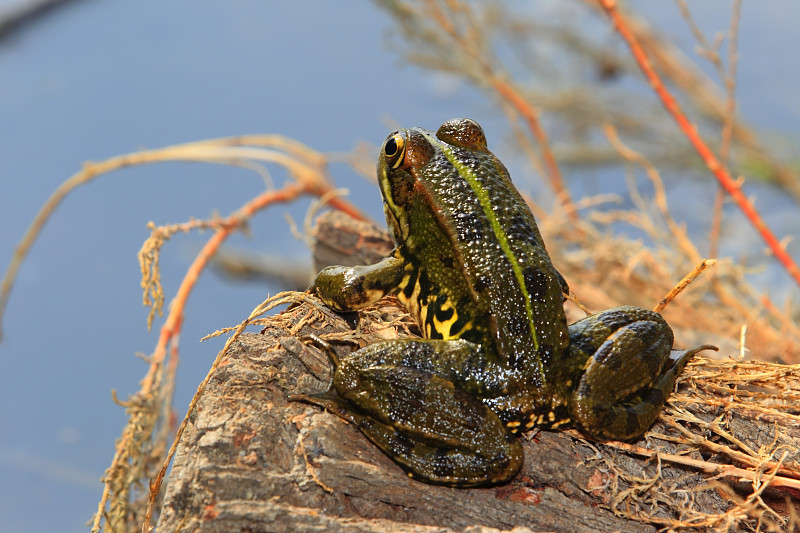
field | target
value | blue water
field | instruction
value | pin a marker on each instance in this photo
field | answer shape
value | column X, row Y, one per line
column 97, row 79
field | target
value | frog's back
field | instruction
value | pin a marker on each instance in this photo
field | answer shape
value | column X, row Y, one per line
column 501, row 254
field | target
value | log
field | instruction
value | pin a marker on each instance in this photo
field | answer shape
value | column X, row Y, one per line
column 252, row 460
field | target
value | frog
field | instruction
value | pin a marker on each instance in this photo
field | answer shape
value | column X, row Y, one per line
column 496, row 357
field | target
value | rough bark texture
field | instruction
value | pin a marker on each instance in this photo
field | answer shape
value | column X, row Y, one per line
column 251, row 460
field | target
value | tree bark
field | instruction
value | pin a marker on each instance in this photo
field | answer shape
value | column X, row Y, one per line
column 252, row 460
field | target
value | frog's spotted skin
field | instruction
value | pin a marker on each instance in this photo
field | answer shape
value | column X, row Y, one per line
column 498, row 357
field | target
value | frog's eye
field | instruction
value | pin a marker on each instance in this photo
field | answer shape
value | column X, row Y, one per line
column 394, row 149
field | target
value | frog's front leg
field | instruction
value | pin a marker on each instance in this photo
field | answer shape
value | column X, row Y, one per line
column 630, row 371
column 352, row 288
column 431, row 427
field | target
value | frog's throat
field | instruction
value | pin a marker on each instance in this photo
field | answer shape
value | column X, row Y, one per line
column 396, row 219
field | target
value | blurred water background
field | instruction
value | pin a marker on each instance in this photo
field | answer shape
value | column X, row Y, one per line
column 93, row 79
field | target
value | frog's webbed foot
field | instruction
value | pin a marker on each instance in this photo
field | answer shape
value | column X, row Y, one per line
column 629, row 375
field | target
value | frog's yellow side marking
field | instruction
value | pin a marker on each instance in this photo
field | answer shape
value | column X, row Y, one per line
column 444, row 327
column 423, row 309
column 544, row 420
column 411, row 301
column 484, row 198
column 423, row 314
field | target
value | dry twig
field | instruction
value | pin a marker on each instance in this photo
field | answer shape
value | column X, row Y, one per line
column 143, row 442
column 712, row 162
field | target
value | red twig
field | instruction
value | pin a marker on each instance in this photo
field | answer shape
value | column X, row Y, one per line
column 172, row 325
column 174, row 321
column 689, row 129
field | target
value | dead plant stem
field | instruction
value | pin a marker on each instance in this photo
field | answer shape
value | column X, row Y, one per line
column 710, row 468
column 716, row 167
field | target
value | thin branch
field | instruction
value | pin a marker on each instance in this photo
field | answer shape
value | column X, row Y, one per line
column 727, row 123
column 722, row 470
column 660, row 195
column 682, row 284
column 507, row 92
column 690, row 131
column 531, row 116
column 222, row 151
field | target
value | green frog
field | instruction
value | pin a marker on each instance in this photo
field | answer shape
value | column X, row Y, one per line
column 497, row 357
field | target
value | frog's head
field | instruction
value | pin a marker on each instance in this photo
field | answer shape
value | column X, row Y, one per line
column 408, row 160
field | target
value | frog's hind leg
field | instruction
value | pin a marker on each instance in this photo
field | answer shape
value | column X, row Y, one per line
column 630, row 371
column 433, row 429
column 438, row 460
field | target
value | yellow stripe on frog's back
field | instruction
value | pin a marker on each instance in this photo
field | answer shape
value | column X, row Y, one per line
column 484, row 199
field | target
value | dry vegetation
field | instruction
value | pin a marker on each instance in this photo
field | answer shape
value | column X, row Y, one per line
column 597, row 121
column 725, row 454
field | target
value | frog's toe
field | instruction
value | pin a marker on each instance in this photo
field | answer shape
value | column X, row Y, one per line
column 327, row 400
column 323, row 346
column 681, row 357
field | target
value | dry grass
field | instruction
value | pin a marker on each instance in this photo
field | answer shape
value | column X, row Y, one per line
column 720, row 307
column 737, row 424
